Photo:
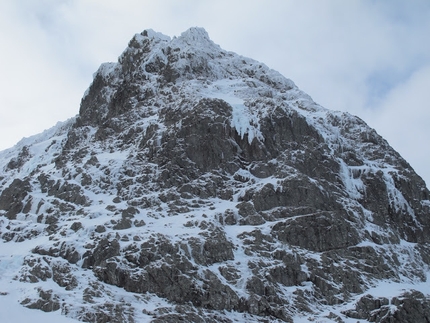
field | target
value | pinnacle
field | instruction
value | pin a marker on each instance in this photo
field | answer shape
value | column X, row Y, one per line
column 196, row 33
column 150, row 33
column 196, row 39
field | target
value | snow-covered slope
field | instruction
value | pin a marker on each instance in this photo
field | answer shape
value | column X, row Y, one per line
column 199, row 185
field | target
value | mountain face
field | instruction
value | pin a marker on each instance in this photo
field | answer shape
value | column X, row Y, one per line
column 198, row 185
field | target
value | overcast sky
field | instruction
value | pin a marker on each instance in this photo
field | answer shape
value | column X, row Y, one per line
column 369, row 57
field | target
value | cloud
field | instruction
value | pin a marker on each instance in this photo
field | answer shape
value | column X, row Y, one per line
column 363, row 57
column 33, row 77
column 404, row 117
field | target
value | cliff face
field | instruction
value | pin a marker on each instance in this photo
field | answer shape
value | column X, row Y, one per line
column 199, row 185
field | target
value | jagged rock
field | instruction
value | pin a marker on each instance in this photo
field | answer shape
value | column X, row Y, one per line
column 409, row 307
column 290, row 274
column 229, row 217
column 230, row 273
column 317, row 232
column 105, row 250
column 65, row 191
column 100, row 229
column 253, row 219
column 216, row 248
column 216, row 295
column 183, row 313
column 76, row 226
column 12, row 198
column 210, row 188
column 249, row 214
column 63, row 276
column 124, row 223
column 105, row 313
column 47, row 301
column 20, row 160
column 35, row 269
column 63, row 250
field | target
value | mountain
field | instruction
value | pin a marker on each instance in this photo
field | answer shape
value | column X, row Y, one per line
column 198, row 185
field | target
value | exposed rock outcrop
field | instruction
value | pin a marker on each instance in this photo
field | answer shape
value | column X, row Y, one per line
column 199, row 185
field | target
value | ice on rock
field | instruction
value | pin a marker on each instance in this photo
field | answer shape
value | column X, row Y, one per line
column 200, row 185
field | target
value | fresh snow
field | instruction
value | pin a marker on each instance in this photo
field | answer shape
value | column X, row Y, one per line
column 11, row 291
column 239, row 90
column 12, row 312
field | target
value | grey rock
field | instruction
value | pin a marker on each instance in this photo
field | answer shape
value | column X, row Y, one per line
column 367, row 305
column 18, row 161
column 62, row 274
column 409, row 307
column 47, row 301
column 76, row 226
column 284, row 209
column 123, row 223
column 100, row 229
column 217, row 248
column 317, row 232
column 230, row 273
column 105, row 313
column 216, row 295
column 12, row 197
column 105, row 249
column 35, row 269
column 253, row 219
column 66, row 191
column 230, row 217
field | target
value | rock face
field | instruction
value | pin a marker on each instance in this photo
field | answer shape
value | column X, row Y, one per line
column 411, row 307
column 199, row 185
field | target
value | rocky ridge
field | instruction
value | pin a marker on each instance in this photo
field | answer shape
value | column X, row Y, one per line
column 196, row 184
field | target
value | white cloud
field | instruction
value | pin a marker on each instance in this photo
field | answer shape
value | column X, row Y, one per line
column 32, row 80
column 404, row 117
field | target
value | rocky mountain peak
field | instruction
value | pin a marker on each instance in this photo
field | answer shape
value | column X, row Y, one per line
column 200, row 185
column 197, row 37
column 153, row 63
